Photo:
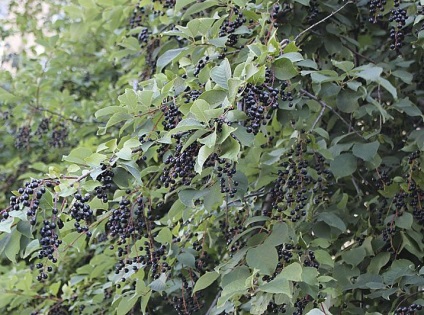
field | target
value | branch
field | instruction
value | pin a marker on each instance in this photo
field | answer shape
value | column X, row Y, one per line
column 324, row 105
column 320, row 21
column 215, row 300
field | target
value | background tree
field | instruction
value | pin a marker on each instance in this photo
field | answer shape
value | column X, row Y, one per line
column 213, row 157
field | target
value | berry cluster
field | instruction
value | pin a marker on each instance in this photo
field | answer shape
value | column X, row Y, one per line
column 30, row 196
column 229, row 27
column 376, row 7
column 286, row 96
column 398, row 16
column 285, row 252
column 233, row 226
column 191, row 95
column 408, row 310
column 171, row 114
column 23, row 137
column 295, row 184
column 278, row 13
column 80, row 211
column 188, row 303
column 258, row 103
column 179, row 167
column 43, row 127
column 300, row 305
column 59, row 136
column 143, row 37
column 310, row 260
column 137, row 16
column 130, row 223
column 275, row 308
column 200, row 65
column 225, row 173
column 313, row 11
column 106, row 178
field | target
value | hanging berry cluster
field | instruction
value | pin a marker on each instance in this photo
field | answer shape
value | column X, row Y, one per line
column 376, row 8
column 409, row 310
column 106, row 178
column 398, row 16
column 229, row 27
column 188, row 303
column 258, row 102
column 296, row 185
column 171, row 115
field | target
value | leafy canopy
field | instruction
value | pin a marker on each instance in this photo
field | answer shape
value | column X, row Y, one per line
column 212, row 157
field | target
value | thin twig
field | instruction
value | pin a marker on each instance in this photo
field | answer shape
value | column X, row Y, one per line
column 325, row 105
column 215, row 300
column 82, row 177
column 318, row 118
column 320, row 21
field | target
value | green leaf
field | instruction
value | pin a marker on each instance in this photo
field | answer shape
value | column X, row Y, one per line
column 164, row 236
column 292, row 272
column 203, row 155
column 354, row 256
column 398, row 269
column 169, row 56
column 6, row 96
column 370, row 72
column 284, row 69
column 343, row 165
column 378, row 262
column 278, row 285
column 346, row 66
column 179, row 4
column 347, row 101
column 264, row 258
column 205, row 281
column 221, row 74
column 126, row 304
column 13, row 246
column 5, row 226
column 366, row 151
column 279, row 235
column 209, row 140
column 187, row 259
column 198, row 110
column 230, row 149
column 324, row 258
column 159, row 284
column 332, row 220
column 388, row 86
column 405, row 220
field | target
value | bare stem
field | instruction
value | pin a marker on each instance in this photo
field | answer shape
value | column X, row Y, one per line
column 320, row 21
column 326, row 106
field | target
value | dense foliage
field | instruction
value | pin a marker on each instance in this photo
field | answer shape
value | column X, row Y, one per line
column 212, row 157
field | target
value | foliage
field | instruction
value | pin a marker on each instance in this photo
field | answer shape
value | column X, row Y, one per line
column 213, row 157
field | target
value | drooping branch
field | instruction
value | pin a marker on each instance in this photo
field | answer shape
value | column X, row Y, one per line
column 324, row 106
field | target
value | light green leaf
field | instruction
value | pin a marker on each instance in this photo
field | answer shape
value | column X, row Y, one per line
column 343, row 165
column 204, row 153
column 230, row 149
column 366, row 151
column 5, row 226
column 221, row 74
column 169, row 56
column 324, row 258
column 264, row 258
column 370, row 72
column 198, row 110
column 284, row 69
column 292, row 272
column 405, row 220
column 205, row 281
